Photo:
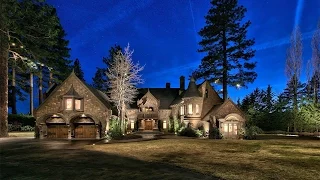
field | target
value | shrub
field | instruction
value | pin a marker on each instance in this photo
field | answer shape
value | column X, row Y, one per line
column 115, row 130
column 27, row 128
column 14, row 127
column 214, row 133
column 174, row 125
column 24, row 120
column 189, row 132
column 251, row 132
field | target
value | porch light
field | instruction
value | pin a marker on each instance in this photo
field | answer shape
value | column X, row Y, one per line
column 83, row 115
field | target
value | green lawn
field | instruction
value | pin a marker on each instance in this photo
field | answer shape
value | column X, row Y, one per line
column 289, row 158
column 21, row 134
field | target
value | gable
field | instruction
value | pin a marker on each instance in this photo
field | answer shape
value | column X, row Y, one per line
column 148, row 100
column 224, row 109
column 53, row 102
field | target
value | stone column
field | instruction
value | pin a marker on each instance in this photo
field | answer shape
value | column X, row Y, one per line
column 69, row 131
column 97, row 131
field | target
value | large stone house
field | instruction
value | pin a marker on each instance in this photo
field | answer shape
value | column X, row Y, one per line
column 76, row 110
column 198, row 106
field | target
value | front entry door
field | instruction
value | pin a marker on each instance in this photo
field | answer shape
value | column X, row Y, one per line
column 148, row 125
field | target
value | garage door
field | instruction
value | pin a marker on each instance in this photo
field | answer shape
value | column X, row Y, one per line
column 57, row 131
column 85, row 131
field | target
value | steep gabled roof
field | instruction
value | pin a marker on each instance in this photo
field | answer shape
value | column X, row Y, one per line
column 220, row 110
column 99, row 95
column 192, row 90
column 164, row 95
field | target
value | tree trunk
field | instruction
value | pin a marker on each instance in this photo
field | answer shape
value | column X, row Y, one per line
column 315, row 90
column 3, row 88
column 14, row 91
column 50, row 78
column 31, row 93
column 295, row 102
column 40, row 85
column 225, row 69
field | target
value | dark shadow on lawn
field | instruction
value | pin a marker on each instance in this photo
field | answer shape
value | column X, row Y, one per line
column 34, row 159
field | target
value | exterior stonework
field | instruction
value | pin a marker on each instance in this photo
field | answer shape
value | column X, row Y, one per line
column 95, row 112
column 76, row 110
column 198, row 106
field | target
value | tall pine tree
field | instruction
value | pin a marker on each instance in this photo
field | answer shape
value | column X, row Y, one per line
column 227, row 48
column 21, row 40
column 100, row 79
column 77, row 69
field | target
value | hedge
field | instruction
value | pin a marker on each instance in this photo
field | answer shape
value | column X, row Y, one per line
column 24, row 120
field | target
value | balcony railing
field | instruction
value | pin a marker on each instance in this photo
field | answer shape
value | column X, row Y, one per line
column 148, row 115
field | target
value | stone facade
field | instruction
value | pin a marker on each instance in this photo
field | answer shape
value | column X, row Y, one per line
column 75, row 110
column 87, row 107
column 198, row 106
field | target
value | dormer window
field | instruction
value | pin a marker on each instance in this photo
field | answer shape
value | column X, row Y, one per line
column 68, row 104
column 72, row 101
column 78, row 103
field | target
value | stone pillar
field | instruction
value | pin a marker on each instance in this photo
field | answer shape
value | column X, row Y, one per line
column 97, row 131
column 41, row 133
column 106, row 130
column 69, row 131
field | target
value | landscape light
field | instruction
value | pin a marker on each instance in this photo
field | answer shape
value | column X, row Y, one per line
column 13, row 44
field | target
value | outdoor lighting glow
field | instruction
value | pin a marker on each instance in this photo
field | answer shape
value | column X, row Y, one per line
column 21, row 47
column 221, row 89
column 216, row 81
column 238, row 86
column 83, row 115
column 13, row 44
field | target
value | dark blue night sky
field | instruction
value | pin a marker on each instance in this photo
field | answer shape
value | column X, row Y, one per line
column 164, row 35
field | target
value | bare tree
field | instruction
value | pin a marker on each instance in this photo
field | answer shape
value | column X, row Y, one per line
column 293, row 67
column 123, row 75
column 315, row 61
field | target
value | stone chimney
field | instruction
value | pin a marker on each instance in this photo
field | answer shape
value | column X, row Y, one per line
column 182, row 84
column 168, row 85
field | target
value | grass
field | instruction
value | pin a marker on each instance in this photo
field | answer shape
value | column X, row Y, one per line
column 290, row 158
column 21, row 134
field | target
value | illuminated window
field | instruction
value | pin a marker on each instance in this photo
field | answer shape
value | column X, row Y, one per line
column 197, row 108
column 164, row 124
column 190, row 109
column 77, row 104
column 225, row 127
column 181, row 110
column 235, row 129
column 68, row 104
column 132, row 124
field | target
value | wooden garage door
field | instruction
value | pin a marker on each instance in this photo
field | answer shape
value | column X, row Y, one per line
column 85, row 131
column 57, row 131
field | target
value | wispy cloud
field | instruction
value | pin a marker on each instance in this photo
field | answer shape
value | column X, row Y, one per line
column 280, row 42
column 259, row 47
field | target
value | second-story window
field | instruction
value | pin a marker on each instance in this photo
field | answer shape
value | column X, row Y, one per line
column 68, row 103
column 190, row 109
column 181, row 110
